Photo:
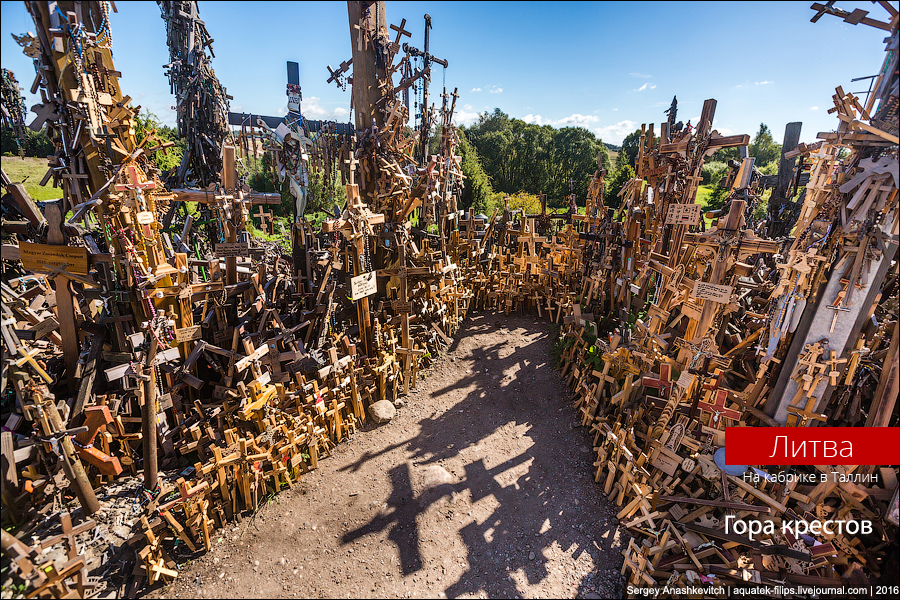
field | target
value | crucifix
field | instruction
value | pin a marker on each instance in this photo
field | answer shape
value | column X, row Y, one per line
column 717, row 409
column 427, row 59
column 355, row 224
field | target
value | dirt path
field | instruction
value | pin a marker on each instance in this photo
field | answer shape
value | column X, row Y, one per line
column 480, row 487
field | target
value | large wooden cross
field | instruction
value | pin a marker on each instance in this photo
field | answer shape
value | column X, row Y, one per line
column 403, row 307
column 356, row 211
column 695, row 147
column 729, row 244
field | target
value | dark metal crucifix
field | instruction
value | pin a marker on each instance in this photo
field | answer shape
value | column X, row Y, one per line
column 425, row 115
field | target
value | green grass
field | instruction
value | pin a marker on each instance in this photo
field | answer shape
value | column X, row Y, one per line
column 30, row 171
column 703, row 193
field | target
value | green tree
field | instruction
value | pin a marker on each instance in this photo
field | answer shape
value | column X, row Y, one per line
column 763, row 147
column 614, row 184
column 477, row 191
column 713, row 171
column 144, row 123
column 36, row 143
column 630, row 147
column 717, row 198
column 519, row 156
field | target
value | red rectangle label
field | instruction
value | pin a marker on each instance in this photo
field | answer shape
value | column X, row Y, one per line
column 812, row 445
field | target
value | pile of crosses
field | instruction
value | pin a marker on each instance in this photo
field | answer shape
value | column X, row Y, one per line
column 136, row 341
column 734, row 329
column 143, row 338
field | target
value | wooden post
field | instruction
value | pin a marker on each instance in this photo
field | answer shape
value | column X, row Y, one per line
column 362, row 305
column 785, row 175
column 65, row 302
column 230, row 230
column 71, row 464
column 366, row 73
column 148, row 417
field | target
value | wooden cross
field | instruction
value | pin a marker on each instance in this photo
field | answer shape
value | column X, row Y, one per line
column 401, row 31
column 705, row 350
column 662, row 383
column 335, row 75
column 832, row 366
column 362, row 34
column 266, row 224
column 28, row 357
column 717, row 409
column 351, row 163
column 135, row 182
column 803, row 415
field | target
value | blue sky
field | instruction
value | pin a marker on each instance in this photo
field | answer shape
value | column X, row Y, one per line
column 607, row 66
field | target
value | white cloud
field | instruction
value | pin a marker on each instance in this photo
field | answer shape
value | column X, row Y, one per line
column 280, row 111
column 764, row 82
column 575, row 120
column 467, row 107
column 615, row 110
column 813, row 108
column 646, row 86
column 313, row 109
column 641, row 75
column 476, row 89
column 495, row 90
column 464, row 117
column 614, row 134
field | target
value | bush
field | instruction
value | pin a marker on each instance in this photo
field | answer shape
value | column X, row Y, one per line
column 531, row 203
column 769, row 168
column 713, row 172
column 36, row 143
column 614, row 184
column 717, row 198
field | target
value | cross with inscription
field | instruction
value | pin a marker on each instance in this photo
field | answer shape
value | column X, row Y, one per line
column 729, row 244
column 694, row 147
column 357, row 214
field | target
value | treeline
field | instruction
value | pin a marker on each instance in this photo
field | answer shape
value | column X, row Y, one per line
column 36, row 143
column 505, row 156
column 513, row 156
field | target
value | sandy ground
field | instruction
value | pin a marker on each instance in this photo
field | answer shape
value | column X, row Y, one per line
column 481, row 486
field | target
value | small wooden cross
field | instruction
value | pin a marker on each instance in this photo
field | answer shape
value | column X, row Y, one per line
column 832, row 365
column 401, row 31
column 717, row 409
column 351, row 163
column 663, row 383
column 803, row 415
column 362, row 34
column 265, row 224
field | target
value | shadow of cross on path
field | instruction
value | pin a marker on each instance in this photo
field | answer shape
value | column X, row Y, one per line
column 518, row 507
column 401, row 519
